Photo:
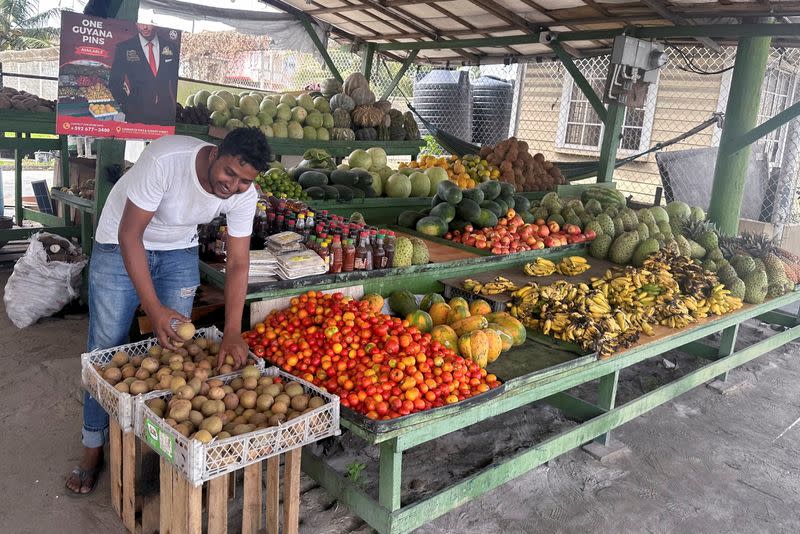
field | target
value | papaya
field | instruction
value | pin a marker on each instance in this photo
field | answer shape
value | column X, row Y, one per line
column 475, row 346
column 421, row 320
column 467, row 325
column 375, row 302
column 446, row 336
column 456, row 314
column 429, row 300
column 458, row 301
column 495, row 344
column 505, row 338
column 402, row 302
column 438, row 312
column 510, row 325
column 479, row 307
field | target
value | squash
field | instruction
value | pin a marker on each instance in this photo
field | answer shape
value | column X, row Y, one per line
column 362, row 96
column 410, row 125
column 383, row 133
column 366, row 134
column 367, row 116
column 475, row 346
column 397, row 131
column 342, row 101
column 341, row 118
column 343, row 134
column 446, row 336
column 331, row 86
column 354, row 81
column 495, row 344
column 384, row 105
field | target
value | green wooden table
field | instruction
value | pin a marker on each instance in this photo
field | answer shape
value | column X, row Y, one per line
column 544, row 374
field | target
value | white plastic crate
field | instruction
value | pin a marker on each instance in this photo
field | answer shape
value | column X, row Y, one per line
column 119, row 405
column 200, row 462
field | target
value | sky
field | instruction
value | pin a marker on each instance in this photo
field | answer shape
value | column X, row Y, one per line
column 146, row 15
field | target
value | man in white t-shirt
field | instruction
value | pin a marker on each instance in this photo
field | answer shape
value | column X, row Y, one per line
column 146, row 253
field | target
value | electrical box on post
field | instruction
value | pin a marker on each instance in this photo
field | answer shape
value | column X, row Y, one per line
column 634, row 64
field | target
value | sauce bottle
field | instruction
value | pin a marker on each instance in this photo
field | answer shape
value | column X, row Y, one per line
column 378, row 254
column 363, row 259
column 348, row 256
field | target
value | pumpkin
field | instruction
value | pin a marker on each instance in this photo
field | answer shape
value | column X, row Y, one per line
column 367, row 116
column 468, row 324
column 383, row 133
column 362, row 96
column 475, row 346
column 331, row 86
column 341, row 118
column 366, row 134
column 509, row 325
column 421, row 320
column 384, row 105
column 479, row 307
column 343, row 134
column 342, row 101
column 410, row 124
column 495, row 344
column 354, row 81
column 438, row 312
column 446, row 336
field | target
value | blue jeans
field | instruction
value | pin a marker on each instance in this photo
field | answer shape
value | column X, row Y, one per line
column 113, row 302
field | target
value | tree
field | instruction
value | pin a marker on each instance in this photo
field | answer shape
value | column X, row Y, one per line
column 23, row 27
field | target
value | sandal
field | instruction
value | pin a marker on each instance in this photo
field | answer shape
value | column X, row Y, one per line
column 84, row 475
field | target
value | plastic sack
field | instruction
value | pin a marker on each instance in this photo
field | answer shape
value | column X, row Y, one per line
column 39, row 287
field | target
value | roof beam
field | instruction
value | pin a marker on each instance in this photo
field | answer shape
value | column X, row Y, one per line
column 660, row 7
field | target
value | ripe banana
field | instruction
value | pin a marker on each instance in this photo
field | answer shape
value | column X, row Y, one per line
column 540, row 267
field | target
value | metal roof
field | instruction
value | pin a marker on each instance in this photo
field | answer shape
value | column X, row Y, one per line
column 413, row 21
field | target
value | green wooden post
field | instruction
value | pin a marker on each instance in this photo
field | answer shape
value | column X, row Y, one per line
column 606, row 399
column 390, row 475
column 367, row 59
column 305, row 20
column 611, row 136
column 64, row 162
column 400, row 73
column 727, row 344
column 18, row 217
column 580, row 80
column 110, row 152
column 741, row 114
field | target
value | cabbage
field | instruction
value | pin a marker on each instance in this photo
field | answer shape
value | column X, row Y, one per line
column 378, row 156
column 359, row 159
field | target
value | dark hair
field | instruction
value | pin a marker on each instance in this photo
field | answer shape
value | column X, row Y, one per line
column 248, row 144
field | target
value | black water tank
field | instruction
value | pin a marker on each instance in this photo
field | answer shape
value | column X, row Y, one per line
column 492, row 100
column 444, row 98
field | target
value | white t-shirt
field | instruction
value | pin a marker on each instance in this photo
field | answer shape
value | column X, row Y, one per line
column 164, row 180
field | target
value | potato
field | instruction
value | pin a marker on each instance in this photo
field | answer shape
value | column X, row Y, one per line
column 195, row 383
column 185, row 331
column 180, row 410
column 203, row 436
column 184, row 429
column 223, row 435
column 185, row 392
column 250, row 383
column 231, row 401
column 216, row 393
column 293, row 389
column 239, row 420
column 197, row 402
column 196, row 418
column 264, row 402
column 209, row 408
column 201, row 374
column 112, row 375
column 176, row 383
column 240, row 429
column 258, row 419
column 138, row 387
column 316, row 402
column 201, row 342
column 237, row 384
column 248, row 399
column 120, row 358
column 122, row 387
column 279, row 407
column 283, row 397
column 129, row 370
column 155, row 351
column 212, row 424
column 152, row 383
column 142, row 374
column 225, row 369
column 136, row 361
column 265, row 381
column 277, row 419
column 300, row 402
column 250, row 371
column 157, row 404
column 273, row 390
column 215, row 383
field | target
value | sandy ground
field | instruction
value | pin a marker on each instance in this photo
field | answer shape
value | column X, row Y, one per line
column 703, row 463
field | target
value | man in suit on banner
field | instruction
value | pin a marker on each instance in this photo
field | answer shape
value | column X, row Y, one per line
column 144, row 77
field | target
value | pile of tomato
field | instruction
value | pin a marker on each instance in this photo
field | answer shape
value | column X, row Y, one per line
column 377, row 364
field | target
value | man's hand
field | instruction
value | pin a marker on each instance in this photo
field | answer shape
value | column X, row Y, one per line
column 161, row 320
column 236, row 348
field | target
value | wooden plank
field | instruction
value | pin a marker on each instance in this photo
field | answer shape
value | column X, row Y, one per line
column 194, row 508
column 251, row 494
column 115, row 451
column 390, row 475
column 165, row 497
column 291, row 491
column 129, row 480
column 179, row 502
column 273, row 495
column 218, row 505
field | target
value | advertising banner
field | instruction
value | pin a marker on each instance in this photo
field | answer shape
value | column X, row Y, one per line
column 116, row 78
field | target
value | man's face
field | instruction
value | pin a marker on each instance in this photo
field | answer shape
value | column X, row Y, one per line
column 228, row 175
column 146, row 30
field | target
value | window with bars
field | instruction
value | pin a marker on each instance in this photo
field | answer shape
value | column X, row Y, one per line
column 776, row 95
column 579, row 126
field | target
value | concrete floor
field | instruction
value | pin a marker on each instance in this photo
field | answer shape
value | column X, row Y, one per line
column 703, row 463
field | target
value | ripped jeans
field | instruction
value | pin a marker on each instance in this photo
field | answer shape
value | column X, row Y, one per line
column 113, row 302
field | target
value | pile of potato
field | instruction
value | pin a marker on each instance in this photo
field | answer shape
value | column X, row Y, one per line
column 10, row 98
column 247, row 403
column 193, row 362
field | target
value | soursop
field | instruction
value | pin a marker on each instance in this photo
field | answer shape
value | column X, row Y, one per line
column 645, row 216
column 623, row 247
column 659, row 214
column 643, row 231
column 684, row 246
column 606, row 224
column 419, row 252
column 736, row 287
column 600, row 246
column 743, row 265
column 715, row 254
column 403, row 251
column 643, row 250
column 756, row 286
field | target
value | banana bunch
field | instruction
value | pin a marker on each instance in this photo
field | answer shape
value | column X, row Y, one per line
column 495, row 287
column 573, row 266
column 540, row 267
